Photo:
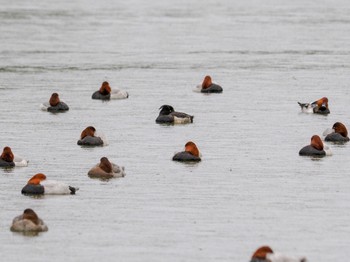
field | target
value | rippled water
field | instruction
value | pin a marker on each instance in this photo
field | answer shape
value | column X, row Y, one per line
column 251, row 188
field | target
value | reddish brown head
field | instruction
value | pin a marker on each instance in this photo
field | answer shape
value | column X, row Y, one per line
column 36, row 179
column 7, row 154
column 31, row 215
column 261, row 252
column 105, row 89
column 206, row 82
column 322, row 102
column 105, row 165
column 340, row 129
column 89, row 131
column 191, row 148
column 316, row 142
column 54, row 100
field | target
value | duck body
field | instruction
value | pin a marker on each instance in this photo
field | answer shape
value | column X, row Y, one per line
column 28, row 222
column 98, row 172
column 311, row 151
column 168, row 115
column 186, row 157
column 4, row 163
column 98, row 95
column 60, row 107
column 90, row 141
column 38, row 185
column 318, row 107
column 336, row 137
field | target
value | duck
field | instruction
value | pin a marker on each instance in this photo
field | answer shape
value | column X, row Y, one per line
column 338, row 133
column 191, row 153
column 89, row 137
column 106, row 169
column 316, row 148
column 38, row 185
column 266, row 254
column 8, row 159
column 320, row 106
column 168, row 115
column 106, row 93
column 55, row 105
column 28, row 222
column 207, row 86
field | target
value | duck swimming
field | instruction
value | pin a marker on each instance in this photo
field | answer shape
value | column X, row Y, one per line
column 191, row 153
column 338, row 134
column 316, row 148
column 168, row 115
column 207, row 86
column 318, row 107
column 105, row 170
column 55, row 105
column 106, row 93
column 8, row 159
column 266, row 254
column 89, row 138
column 38, row 185
column 28, row 222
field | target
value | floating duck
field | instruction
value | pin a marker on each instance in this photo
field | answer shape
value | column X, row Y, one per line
column 207, row 86
column 38, row 185
column 55, row 105
column 168, row 115
column 28, row 222
column 106, row 93
column 7, row 159
column 316, row 148
column 191, row 153
column 89, row 138
column 338, row 133
column 266, row 254
column 106, row 170
column 318, row 107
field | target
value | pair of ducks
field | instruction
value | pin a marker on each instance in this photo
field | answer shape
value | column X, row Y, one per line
column 338, row 133
column 105, row 92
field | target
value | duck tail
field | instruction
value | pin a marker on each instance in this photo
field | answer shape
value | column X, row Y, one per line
column 73, row 190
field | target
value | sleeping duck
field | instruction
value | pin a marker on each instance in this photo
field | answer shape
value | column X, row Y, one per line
column 168, row 115
column 106, row 169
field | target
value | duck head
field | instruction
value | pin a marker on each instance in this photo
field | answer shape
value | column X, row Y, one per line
column 89, row 131
column 166, row 110
column 261, row 253
column 31, row 215
column 105, row 89
column 206, row 82
column 105, row 165
column 36, row 179
column 340, row 129
column 322, row 103
column 191, row 148
column 54, row 99
column 7, row 154
column 316, row 142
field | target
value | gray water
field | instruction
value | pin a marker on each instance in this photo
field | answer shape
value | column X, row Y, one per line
column 251, row 188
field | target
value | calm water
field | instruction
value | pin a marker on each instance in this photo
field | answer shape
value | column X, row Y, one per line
column 251, row 188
